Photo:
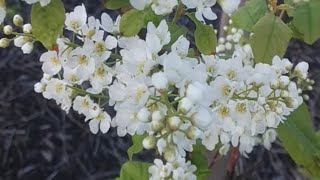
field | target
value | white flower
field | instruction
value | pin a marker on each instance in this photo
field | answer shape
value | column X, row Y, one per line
column 101, row 77
column 203, row 118
column 229, row 6
column 301, row 70
column 181, row 47
column 51, row 63
column 203, row 8
column 159, row 81
column 159, row 170
column 109, row 25
column 91, row 29
column 86, row 106
column 80, row 59
column 140, row 4
column 20, row 41
column 27, row 48
column 162, row 7
column 222, row 88
column 102, row 122
column 76, row 19
column 162, row 31
column 269, row 137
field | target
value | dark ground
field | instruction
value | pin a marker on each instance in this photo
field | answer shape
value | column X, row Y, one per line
column 38, row 141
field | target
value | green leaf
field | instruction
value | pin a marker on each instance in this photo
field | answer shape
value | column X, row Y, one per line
column 306, row 20
column 291, row 3
column 205, row 37
column 132, row 22
column 47, row 22
column 134, row 171
column 301, row 141
column 199, row 159
column 150, row 16
column 176, row 31
column 271, row 37
column 136, row 146
column 249, row 14
column 116, row 4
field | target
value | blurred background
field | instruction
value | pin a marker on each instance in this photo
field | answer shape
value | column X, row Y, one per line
column 40, row 141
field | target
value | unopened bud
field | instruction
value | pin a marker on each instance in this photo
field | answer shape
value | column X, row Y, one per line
column 27, row 28
column 149, row 142
column 4, row 42
column 7, row 30
column 157, row 126
column 174, row 122
column 18, row 20
column 284, row 94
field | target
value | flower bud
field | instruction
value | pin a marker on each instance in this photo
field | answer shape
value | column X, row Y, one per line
column 27, row 28
column 157, row 116
column 144, row 115
column 274, row 84
column 301, row 70
column 7, row 30
column 4, row 42
column 39, row 87
column 27, row 48
column 279, row 110
column 284, row 81
column 202, row 119
column 222, row 40
column 184, row 105
column 159, row 80
column 157, row 126
column 169, row 154
column 149, row 142
column 174, row 123
column 192, row 132
column 284, row 94
column 17, row 20
column 20, row 41
column 261, row 100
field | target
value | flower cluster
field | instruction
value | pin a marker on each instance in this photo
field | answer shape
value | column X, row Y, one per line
column 175, row 170
column 22, row 40
column 202, row 7
column 173, row 98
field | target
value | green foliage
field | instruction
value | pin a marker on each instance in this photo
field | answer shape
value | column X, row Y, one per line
column 248, row 15
column 150, row 16
column 136, row 145
column 133, row 170
column 306, row 20
column 116, row 4
column 176, row 31
column 199, row 159
column 271, row 37
column 301, row 141
column 204, row 35
column 291, row 3
column 133, row 21
column 47, row 22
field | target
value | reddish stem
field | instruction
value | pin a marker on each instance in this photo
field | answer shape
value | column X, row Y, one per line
column 232, row 161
